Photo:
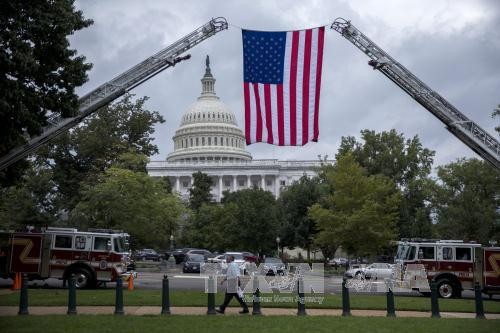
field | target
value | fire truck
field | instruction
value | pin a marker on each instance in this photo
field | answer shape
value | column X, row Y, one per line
column 92, row 257
column 454, row 265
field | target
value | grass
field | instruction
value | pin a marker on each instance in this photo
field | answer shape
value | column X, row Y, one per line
column 52, row 297
column 240, row 324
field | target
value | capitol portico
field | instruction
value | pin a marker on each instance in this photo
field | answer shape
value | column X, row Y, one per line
column 209, row 140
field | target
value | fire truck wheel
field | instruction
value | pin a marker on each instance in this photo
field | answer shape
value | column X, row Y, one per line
column 445, row 288
column 83, row 278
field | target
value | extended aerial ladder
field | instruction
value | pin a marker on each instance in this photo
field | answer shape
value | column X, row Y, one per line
column 456, row 122
column 118, row 86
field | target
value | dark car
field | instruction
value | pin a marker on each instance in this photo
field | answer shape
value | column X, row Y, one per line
column 205, row 253
column 193, row 263
column 147, row 254
column 165, row 254
column 179, row 254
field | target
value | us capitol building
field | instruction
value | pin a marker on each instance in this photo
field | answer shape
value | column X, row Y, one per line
column 209, row 140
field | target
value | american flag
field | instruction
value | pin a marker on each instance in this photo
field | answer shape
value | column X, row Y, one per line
column 282, row 81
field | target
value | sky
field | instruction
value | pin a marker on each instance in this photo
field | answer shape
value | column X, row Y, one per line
column 451, row 45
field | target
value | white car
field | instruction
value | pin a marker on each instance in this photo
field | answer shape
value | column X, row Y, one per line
column 375, row 271
column 355, row 270
column 379, row 271
column 238, row 259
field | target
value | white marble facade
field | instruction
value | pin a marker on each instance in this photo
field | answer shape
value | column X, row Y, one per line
column 209, row 140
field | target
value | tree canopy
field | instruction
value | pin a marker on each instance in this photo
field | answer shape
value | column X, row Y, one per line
column 38, row 70
column 408, row 164
column 297, row 227
column 132, row 201
column 117, row 134
column 199, row 193
column 252, row 220
column 467, row 201
column 361, row 212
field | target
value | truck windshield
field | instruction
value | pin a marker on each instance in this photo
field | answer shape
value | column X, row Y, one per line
column 119, row 244
column 406, row 252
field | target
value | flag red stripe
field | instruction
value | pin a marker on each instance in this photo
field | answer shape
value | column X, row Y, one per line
column 305, row 87
column 258, row 137
column 319, row 63
column 269, row 119
column 281, row 116
column 293, row 87
column 246, row 90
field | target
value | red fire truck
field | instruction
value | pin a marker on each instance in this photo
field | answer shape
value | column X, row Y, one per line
column 453, row 264
column 93, row 257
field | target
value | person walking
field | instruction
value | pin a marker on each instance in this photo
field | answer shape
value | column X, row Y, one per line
column 233, row 282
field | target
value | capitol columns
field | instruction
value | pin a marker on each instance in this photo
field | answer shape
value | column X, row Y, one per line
column 235, row 185
column 263, row 182
column 277, row 186
column 177, row 184
column 249, row 181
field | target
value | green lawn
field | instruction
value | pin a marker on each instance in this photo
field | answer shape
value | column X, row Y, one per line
column 240, row 324
column 50, row 297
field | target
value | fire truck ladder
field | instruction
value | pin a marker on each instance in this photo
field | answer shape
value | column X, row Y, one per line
column 118, row 86
column 456, row 122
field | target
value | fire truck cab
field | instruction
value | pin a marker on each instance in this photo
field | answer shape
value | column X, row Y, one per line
column 92, row 257
column 453, row 264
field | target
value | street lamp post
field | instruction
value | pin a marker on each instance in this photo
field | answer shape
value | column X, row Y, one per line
column 171, row 243
column 278, row 243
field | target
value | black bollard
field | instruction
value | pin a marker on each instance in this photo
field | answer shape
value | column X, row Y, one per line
column 301, row 301
column 119, row 297
column 71, row 295
column 211, row 296
column 23, row 301
column 479, row 301
column 346, row 307
column 434, row 301
column 256, row 297
column 165, row 299
column 391, row 312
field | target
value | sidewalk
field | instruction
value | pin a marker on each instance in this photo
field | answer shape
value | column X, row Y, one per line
column 156, row 310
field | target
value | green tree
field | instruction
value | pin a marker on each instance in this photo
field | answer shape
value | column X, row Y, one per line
column 206, row 227
column 408, row 164
column 132, row 201
column 467, row 201
column 199, row 193
column 38, row 70
column 361, row 212
column 29, row 201
column 118, row 134
column 250, row 220
column 297, row 228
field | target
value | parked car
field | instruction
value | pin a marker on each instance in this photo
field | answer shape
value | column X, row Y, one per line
column 239, row 259
column 147, row 254
column 373, row 271
column 355, row 270
column 165, row 254
column 250, row 257
column 205, row 253
column 193, row 263
column 273, row 266
column 218, row 259
column 179, row 254
column 337, row 262
column 378, row 271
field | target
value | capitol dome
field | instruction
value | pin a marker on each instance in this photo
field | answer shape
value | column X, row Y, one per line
column 208, row 129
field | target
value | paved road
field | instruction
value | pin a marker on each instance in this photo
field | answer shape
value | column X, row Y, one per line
column 192, row 282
